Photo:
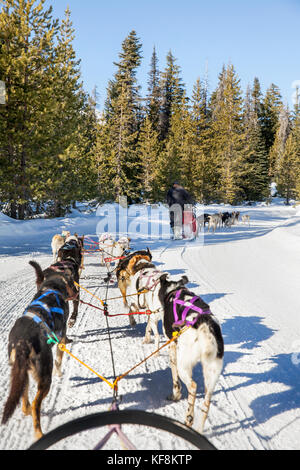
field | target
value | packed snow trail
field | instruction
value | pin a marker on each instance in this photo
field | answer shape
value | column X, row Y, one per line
column 250, row 278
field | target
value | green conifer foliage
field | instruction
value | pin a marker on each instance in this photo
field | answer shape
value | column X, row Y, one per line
column 171, row 93
column 271, row 107
column 119, row 136
column 227, row 136
column 42, row 145
column 27, row 35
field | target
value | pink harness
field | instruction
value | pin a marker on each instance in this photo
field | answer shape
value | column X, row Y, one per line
column 149, row 277
column 189, row 305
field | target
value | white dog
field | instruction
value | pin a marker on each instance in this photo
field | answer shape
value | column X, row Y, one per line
column 245, row 219
column 214, row 222
column 202, row 342
column 57, row 242
column 110, row 248
column 147, row 281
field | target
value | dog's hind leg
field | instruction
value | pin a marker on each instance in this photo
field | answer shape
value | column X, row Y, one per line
column 185, row 372
column 26, row 406
column 43, row 389
column 176, row 395
column 73, row 317
column 132, row 321
column 147, row 337
column 211, row 371
column 152, row 326
column 122, row 287
column 58, row 359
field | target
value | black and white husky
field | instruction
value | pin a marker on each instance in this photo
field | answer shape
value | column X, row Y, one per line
column 202, row 342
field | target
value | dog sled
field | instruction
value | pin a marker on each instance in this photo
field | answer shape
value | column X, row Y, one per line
column 114, row 419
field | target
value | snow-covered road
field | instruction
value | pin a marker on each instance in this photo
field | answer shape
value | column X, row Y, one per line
column 250, row 277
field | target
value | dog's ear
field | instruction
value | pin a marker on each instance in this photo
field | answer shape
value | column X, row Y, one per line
column 163, row 278
column 149, row 252
column 39, row 273
column 184, row 280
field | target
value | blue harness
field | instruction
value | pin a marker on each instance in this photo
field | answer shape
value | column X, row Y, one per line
column 50, row 310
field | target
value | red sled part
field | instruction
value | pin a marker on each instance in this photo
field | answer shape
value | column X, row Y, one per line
column 189, row 219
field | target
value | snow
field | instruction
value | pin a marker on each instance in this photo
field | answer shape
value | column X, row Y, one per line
column 250, row 277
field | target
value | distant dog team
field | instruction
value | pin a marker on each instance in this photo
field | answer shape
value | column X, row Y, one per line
column 219, row 220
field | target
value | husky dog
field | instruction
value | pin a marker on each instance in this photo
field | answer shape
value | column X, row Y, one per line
column 112, row 249
column 127, row 268
column 202, row 342
column 29, row 349
column 57, row 242
column 72, row 252
column 147, row 282
column 246, row 219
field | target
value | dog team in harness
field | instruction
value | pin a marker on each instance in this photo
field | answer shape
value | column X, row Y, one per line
column 190, row 328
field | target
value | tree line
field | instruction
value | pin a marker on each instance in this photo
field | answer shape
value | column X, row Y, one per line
column 224, row 145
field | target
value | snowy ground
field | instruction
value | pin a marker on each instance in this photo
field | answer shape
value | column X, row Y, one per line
column 250, row 277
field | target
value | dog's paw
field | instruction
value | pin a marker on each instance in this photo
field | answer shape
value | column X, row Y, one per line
column 173, row 397
column 27, row 410
column 71, row 322
column 147, row 340
column 189, row 420
column 38, row 435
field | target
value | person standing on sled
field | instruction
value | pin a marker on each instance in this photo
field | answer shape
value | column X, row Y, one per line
column 182, row 213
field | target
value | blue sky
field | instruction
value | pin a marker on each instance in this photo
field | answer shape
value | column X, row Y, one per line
column 259, row 37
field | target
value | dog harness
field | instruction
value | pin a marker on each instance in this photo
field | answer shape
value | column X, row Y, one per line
column 60, row 266
column 50, row 310
column 152, row 275
column 189, row 305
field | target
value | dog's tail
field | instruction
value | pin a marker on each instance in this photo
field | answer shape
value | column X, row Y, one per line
column 19, row 378
column 39, row 273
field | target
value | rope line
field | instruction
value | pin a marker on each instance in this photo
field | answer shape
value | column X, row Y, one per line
column 63, row 348
column 111, row 298
column 174, row 338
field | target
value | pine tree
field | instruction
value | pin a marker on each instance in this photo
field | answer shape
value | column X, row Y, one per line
column 27, row 34
column 255, row 181
column 62, row 168
column 105, row 163
column 278, row 149
column 199, row 103
column 288, row 169
column 296, row 142
column 154, row 93
column 204, row 176
column 227, row 135
column 120, row 157
column 172, row 90
column 169, row 162
column 44, row 143
column 271, row 107
column 149, row 149
column 256, row 97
